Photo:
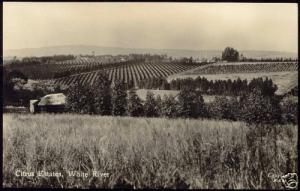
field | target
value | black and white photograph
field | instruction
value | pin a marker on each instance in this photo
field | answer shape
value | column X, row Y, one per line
column 150, row 95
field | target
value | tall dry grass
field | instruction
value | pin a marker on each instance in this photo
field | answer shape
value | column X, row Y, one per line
column 145, row 152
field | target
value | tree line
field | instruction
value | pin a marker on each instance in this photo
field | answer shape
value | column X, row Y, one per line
column 232, row 55
column 104, row 98
column 245, row 59
column 218, row 87
column 16, row 94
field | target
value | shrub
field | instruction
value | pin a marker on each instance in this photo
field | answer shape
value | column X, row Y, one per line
column 102, row 95
column 151, row 109
column 256, row 108
column 119, row 99
column 230, row 54
column 169, row 107
column 289, row 108
column 80, row 99
column 135, row 106
column 191, row 103
column 225, row 108
column 159, row 105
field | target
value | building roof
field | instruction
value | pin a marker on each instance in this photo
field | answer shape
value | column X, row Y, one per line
column 33, row 101
column 53, row 99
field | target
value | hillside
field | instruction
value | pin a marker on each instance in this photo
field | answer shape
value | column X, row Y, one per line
column 100, row 50
column 283, row 74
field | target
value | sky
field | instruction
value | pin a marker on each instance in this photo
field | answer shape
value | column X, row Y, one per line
column 195, row 26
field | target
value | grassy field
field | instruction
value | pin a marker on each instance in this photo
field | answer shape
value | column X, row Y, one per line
column 144, row 153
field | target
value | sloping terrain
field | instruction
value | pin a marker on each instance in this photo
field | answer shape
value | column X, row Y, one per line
column 283, row 74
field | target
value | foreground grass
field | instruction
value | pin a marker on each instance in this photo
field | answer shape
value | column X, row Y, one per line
column 145, row 153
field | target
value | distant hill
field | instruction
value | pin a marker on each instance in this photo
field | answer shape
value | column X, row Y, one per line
column 99, row 50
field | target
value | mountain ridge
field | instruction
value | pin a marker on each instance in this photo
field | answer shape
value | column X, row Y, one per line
column 104, row 50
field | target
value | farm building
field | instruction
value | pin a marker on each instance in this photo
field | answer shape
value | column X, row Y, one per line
column 49, row 103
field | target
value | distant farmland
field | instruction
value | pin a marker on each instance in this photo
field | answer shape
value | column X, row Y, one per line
column 86, row 69
column 283, row 74
column 131, row 72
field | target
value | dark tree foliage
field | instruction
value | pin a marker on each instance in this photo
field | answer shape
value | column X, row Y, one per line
column 266, row 86
column 289, row 108
column 150, row 106
column 154, row 83
column 294, row 91
column 119, row 98
column 245, row 59
column 191, row 103
column 159, row 105
column 225, row 108
column 17, row 74
column 102, row 94
column 130, row 84
column 80, row 99
column 259, row 109
column 169, row 107
column 228, row 87
column 13, row 92
column 8, row 86
column 230, row 54
column 135, row 106
column 61, row 74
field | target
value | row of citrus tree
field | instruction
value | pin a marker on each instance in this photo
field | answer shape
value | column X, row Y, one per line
column 104, row 98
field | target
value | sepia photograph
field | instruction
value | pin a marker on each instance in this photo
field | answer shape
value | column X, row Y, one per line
column 150, row 95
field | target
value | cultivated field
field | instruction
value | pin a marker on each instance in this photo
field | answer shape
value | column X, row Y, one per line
column 130, row 72
column 86, row 69
column 145, row 153
column 283, row 74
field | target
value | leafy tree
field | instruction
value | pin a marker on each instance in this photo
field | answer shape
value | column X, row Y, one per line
column 17, row 74
column 225, row 108
column 57, row 88
column 135, row 106
column 150, row 105
column 119, row 98
column 169, row 107
column 259, row 109
column 266, row 87
column 80, row 98
column 13, row 82
column 230, row 54
column 191, row 103
column 159, row 105
column 102, row 94
column 289, row 108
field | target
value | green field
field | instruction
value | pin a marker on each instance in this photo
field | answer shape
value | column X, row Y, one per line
column 145, row 152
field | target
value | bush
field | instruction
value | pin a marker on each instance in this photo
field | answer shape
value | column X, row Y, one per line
column 151, row 106
column 289, row 108
column 119, row 99
column 225, row 108
column 135, row 106
column 230, row 54
column 260, row 109
column 169, row 107
column 191, row 103
column 80, row 99
column 102, row 95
